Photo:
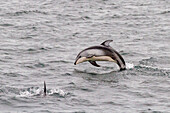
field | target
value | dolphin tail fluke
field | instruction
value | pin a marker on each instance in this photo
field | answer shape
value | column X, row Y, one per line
column 45, row 90
column 121, row 69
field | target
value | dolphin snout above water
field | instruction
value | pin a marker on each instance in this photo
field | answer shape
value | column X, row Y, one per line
column 103, row 52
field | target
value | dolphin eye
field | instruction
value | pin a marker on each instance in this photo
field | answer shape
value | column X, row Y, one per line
column 79, row 56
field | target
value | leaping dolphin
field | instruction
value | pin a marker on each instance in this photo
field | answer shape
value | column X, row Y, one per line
column 103, row 52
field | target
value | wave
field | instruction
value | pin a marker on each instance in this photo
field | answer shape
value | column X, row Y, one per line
column 153, row 70
column 22, row 12
column 153, row 67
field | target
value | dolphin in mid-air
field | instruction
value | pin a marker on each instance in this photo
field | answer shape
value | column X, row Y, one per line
column 103, row 52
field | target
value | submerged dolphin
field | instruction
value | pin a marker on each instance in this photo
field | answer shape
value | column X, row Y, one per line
column 103, row 52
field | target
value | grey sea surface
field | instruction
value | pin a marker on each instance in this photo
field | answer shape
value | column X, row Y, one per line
column 40, row 39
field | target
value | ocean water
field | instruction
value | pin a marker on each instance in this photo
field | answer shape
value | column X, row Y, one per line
column 40, row 39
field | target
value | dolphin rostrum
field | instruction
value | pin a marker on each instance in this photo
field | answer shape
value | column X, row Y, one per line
column 103, row 52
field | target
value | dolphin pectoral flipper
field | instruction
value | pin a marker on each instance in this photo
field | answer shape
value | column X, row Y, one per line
column 94, row 63
column 106, row 43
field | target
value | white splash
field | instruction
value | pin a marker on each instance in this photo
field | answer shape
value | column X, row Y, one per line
column 30, row 92
column 39, row 92
column 25, row 94
column 57, row 91
column 129, row 65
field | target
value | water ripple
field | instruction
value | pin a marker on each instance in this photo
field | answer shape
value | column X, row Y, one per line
column 39, row 41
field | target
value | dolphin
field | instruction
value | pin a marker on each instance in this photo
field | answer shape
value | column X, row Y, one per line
column 102, row 52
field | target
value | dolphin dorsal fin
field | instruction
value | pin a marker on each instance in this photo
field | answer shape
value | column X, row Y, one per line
column 45, row 90
column 106, row 43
